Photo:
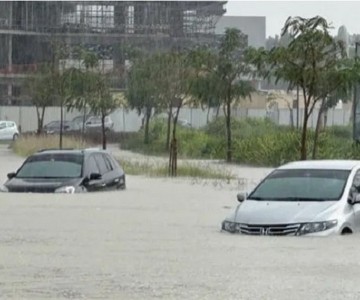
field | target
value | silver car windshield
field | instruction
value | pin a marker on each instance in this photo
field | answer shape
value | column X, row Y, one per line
column 302, row 185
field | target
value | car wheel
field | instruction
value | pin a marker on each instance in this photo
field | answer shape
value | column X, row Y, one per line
column 15, row 137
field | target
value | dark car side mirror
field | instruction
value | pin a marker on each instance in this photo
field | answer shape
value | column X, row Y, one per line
column 95, row 176
column 241, row 197
column 11, row 175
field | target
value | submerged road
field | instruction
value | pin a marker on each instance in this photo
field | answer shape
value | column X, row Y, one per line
column 159, row 239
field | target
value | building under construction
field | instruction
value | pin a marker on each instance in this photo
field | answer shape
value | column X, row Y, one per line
column 29, row 28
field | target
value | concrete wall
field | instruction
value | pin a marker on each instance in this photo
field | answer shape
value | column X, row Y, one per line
column 126, row 120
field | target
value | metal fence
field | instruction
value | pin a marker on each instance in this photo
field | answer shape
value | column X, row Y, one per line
column 129, row 120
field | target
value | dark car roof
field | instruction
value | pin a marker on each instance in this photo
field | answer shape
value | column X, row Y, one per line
column 70, row 151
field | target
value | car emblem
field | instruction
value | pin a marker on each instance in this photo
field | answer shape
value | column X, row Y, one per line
column 264, row 231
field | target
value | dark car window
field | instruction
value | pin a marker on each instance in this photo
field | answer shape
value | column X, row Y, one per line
column 102, row 164
column 92, row 165
column 108, row 163
column 52, row 166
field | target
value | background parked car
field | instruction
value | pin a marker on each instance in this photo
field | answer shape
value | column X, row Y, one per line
column 8, row 130
column 94, row 123
column 54, row 127
column 78, row 121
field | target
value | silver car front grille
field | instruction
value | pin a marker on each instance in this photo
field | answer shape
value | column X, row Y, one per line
column 283, row 229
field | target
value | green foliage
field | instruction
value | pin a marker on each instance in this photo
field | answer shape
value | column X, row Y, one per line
column 258, row 142
column 218, row 77
column 314, row 61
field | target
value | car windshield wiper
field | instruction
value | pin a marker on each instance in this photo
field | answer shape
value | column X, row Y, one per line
column 289, row 199
column 44, row 177
column 257, row 198
column 299, row 199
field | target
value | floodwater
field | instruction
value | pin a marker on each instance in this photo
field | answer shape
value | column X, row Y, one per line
column 159, row 239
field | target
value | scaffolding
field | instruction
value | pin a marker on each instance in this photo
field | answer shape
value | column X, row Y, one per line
column 28, row 28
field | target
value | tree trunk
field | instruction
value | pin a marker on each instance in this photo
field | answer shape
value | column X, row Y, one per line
column 103, row 130
column 168, row 128
column 42, row 119
column 317, row 129
column 292, row 125
column 147, row 121
column 38, row 120
column 173, row 146
column 228, row 130
column 83, row 125
column 208, row 114
column 303, row 151
column 61, row 126
column 217, row 111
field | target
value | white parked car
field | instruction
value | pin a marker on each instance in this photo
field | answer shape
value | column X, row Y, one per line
column 312, row 198
column 8, row 130
column 94, row 123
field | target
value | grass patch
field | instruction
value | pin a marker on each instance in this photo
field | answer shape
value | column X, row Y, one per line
column 28, row 145
column 186, row 169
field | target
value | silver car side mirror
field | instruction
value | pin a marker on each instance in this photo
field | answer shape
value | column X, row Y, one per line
column 354, row 200
column 241, row 197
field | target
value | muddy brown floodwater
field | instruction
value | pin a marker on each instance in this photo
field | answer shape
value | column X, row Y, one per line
column 159, row 239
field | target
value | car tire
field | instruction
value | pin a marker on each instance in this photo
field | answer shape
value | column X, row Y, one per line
column 15, row 137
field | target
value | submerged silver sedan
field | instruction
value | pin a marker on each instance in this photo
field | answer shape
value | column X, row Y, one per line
column 313, row 198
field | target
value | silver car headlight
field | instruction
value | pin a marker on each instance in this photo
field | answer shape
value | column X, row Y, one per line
column 229, row 226
column 313, row 227
column 3, row 189
column 65, row 190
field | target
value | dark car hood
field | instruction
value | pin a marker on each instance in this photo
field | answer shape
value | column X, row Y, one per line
column 39, row 185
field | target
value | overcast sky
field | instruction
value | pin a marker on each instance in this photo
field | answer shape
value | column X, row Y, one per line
column 276, row 12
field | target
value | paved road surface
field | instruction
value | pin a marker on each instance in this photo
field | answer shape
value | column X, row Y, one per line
column 158, row 240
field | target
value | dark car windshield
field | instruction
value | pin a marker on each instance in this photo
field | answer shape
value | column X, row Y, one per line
column 52, row 166
column 302, row 185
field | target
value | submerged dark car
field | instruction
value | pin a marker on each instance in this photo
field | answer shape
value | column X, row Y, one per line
column 67, row 171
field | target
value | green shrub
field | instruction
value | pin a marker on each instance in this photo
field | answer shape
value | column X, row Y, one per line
column 255, row 142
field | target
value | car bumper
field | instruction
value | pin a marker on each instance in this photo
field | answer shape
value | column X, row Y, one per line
column 274, row 230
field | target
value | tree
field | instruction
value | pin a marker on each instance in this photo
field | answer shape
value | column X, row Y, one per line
column 83, row 84
column 336, row 84
column 273, row 99
column 178, row 84
column 224, row 71
column 102, row 102
column 142, row 91
column 310, row 59
column 41, row 87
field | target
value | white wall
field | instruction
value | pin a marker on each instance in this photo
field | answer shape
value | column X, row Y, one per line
column 129, row 120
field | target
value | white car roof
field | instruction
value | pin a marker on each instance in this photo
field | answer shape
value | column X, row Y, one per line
column 322, row 164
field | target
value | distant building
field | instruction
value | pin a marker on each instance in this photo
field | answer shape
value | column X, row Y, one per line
column 253, row 27
column 29, row 29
